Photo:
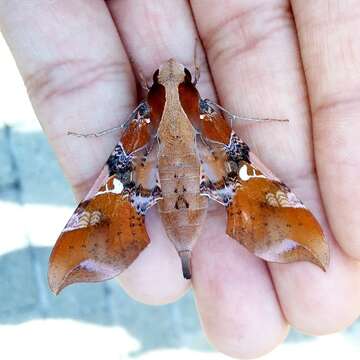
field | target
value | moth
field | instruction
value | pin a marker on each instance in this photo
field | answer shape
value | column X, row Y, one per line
column 178, row 151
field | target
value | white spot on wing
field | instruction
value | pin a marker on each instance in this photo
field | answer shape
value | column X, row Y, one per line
column 278, row 248
column 244, row 175
column 118, row 187
column 96, row 266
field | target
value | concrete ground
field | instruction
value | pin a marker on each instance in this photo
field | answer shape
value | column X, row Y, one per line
column 88, row 320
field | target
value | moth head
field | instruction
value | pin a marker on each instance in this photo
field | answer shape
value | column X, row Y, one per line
column 171, row 72
column 173, row 76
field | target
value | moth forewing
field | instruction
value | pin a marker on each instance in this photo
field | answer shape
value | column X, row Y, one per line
column 106, row 233
column 264, row 215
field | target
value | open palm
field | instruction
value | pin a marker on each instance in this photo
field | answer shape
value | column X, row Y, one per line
column 264, row 58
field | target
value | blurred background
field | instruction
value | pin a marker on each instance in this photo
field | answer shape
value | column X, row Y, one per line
column 90, row 321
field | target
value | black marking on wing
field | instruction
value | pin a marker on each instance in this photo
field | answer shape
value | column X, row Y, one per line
column 237, row 149
column 120, row 164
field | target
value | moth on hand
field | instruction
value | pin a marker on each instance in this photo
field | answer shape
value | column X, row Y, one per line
column 178, row 151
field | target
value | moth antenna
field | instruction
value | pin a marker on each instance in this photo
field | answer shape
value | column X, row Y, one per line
column 254, row 119
column 244, row 118
column 185, row 256
column 97, row 134
column 134, row 116
column 196, row 61
column 140, row 76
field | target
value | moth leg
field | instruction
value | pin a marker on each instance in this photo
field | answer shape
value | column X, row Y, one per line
column 143, row 81
column 232, row 117
column 140, row 76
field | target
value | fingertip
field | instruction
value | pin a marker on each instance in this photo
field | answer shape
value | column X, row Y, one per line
column 155, row 278
column 154, row 291
column 235, row 297
column 252, row 348
column 316, row 302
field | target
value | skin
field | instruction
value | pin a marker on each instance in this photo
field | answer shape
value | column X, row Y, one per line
column 264, row 59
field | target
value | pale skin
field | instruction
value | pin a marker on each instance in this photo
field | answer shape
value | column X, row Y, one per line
column 264, row 59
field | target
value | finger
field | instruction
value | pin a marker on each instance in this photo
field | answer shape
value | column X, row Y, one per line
column 217, row 289
column 322, row 34
column 79, row 79
column 152, row 43
column 331, row 55
column 252, row 52
column 234, row 296
column 318, row 303
column 72, row 85
column 155, row 278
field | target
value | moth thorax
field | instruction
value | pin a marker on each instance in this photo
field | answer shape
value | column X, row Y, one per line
column 175, row 127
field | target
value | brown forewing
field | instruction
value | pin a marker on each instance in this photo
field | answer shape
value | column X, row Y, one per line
column 156, row 101
column 103, row 248
column 215, row 128
column 263, row 214
column 189, row 99
column 268, row 220
column 107, row 231
column 135, row 136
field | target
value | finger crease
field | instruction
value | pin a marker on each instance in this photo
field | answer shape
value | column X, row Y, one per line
column 334, row 103
column 248, row 35
column 66, row 77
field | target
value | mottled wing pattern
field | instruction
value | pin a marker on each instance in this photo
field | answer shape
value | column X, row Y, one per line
column 107, row 232
column 262, row 212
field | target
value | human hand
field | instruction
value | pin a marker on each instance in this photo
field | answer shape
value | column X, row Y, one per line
column 74, row 60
